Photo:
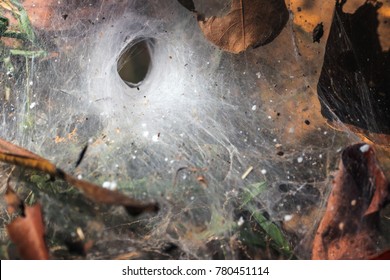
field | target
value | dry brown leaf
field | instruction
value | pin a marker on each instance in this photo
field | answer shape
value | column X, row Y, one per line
column 349, row 229
column 250, row 23
column 13, row 154
column 14, row 204
column 27, row 232
column 355, row 71
column 102, row 195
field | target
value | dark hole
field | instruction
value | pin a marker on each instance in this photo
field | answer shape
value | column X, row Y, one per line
column 135, row 61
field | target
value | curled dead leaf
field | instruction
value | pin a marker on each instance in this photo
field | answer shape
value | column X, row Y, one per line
column 349, row 228
column 249, row 23
column 354, row 56
column 27, row 231
column 14, row 203
column 13, row 154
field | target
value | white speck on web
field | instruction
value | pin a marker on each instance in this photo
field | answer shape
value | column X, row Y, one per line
column 364, row 148
column 300, row 159
column 241, row 221
column 288, row 218
column 32, row 105
column 109, row 185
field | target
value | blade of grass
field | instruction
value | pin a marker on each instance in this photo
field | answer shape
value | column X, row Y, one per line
column 24, row 22
column 251, row 192
column 28, row 54
column 272, row 230
column 15, row 35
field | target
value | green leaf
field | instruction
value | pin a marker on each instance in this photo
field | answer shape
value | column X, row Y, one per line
column 251, row 192
column 28, row 54
column 3, row 25
column 16, row 35
column 24, row 22
column 272, row 230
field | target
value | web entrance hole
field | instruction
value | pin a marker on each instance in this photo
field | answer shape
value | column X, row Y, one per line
column 135, row 61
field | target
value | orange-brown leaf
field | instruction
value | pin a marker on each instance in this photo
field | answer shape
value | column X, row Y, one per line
column 27, row 233
column 349, row 228
column 250, row 23
column 102, row 195
column 13, row 201
column 13, row 154
column 9, row 148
